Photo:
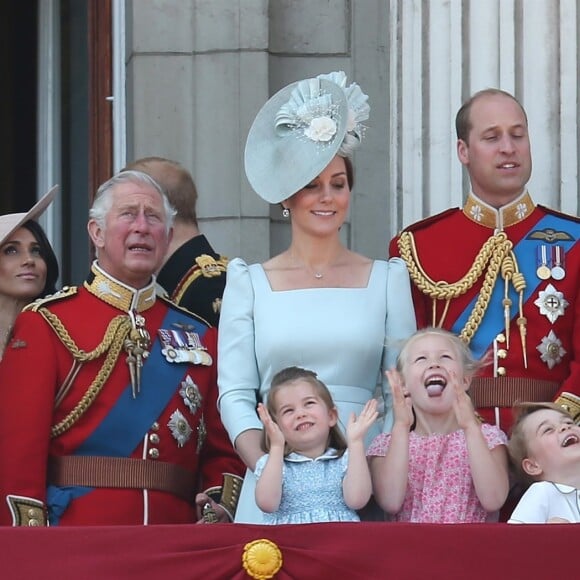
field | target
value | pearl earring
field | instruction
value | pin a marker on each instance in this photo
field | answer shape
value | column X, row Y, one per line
column 286, row 212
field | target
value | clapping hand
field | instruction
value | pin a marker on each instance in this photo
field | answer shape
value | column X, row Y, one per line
column 272, row 430
column 462, row 405
column 357, row 427
column 402, row 404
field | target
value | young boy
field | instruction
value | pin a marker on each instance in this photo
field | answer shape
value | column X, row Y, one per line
column 545, row 450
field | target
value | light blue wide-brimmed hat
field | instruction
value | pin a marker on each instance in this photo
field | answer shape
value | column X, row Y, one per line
column 299, row 130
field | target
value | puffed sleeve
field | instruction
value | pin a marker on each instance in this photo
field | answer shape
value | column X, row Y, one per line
column 238, row 377
column 400, row 324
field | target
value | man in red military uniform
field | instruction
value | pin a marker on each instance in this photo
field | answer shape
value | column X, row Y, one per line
column 502, row 272
column 109, row 411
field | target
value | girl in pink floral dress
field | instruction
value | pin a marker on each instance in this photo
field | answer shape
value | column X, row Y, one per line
column 439, row 464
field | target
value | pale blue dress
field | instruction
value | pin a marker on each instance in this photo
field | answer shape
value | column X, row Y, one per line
column 311, row 490
column 348, row 336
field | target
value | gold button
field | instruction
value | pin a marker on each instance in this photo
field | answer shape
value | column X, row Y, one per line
column 154, row 453
column 502, row 353
column 501, row 371
column 33, row 522
column 31, row 513
column 155, row 426
column 154, row 438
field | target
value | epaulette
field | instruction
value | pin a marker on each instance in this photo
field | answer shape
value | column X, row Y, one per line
column 431, row 219
column 164, row 297
column 561, row 214
column 65, row 292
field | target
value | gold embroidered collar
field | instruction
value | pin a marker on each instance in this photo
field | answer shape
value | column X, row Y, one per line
column 117, row 294
column 508, row 215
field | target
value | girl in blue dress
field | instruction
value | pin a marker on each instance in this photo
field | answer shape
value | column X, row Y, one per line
column 310, row 472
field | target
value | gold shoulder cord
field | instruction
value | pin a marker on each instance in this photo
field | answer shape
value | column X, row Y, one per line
column 112, row 343
column 495, row 257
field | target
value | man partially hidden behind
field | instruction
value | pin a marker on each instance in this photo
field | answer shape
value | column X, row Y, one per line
column 109, row 391
column 193, row 274
column 502, row 272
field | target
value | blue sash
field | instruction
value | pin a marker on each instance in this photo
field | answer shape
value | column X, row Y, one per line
column 525, row 251
column 129, row 419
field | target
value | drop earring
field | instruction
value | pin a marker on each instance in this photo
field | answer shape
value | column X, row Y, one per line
column 286, row 213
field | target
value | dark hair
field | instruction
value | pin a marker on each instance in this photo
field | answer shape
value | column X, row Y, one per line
column 288, row 377
column 349, row 171
column 47, row 254
column 463, row 124
column 175, row 180
column 518, row 444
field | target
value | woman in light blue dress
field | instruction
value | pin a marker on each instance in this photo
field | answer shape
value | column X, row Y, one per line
column 317, row 305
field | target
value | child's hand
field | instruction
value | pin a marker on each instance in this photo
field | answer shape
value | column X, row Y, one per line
column 462, row 405
column 402, row 404
column 357, row 427
column 272, row 430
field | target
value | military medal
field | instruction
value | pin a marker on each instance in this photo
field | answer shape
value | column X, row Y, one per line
column 543, row 271
column 558, row 272
column 183, row 346
column 190, row 394
column 179, row 428
column 551, row 350
column 551, row 303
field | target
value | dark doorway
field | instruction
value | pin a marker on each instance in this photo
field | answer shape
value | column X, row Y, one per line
column 18, row 71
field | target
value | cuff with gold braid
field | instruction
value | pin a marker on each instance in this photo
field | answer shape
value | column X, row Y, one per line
column 228, row 494
column 570, row 403
column 27, row 511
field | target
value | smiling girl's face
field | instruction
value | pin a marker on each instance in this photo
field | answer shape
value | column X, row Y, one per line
column 303, row 417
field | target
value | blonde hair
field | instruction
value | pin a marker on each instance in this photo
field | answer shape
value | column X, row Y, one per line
column 518, row 447
column 289, row 377
column 468, row 362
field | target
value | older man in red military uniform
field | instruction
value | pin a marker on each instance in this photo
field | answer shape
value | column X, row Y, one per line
column 109, row 391
column 502, row 272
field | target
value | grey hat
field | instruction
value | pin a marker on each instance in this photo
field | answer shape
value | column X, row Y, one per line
column 297, row 133
column 10, row 222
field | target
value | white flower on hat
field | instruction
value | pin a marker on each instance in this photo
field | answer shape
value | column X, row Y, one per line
column 321, row 129
column 358, row 111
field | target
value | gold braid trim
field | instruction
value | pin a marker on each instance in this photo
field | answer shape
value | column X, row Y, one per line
column 491, row 255
column 112, row 343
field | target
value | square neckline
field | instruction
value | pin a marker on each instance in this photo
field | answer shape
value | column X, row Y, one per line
column 266, row 281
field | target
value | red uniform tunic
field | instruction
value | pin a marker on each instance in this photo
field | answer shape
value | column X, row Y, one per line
column 546, row 327
column 41, row 387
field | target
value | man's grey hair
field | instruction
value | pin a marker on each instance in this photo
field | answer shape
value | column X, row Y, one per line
column 104, row 200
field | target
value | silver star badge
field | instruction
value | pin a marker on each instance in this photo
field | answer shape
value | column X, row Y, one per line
column 551, row 303
column 551, row 350
column 179, row 428
column 189, row 391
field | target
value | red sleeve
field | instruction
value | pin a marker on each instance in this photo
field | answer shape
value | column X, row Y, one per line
column 217, row 455
column 28, row 373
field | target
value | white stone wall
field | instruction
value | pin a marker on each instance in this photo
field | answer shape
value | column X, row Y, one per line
column 199, row 70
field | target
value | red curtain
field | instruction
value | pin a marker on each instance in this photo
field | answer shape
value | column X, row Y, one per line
column 321, row 551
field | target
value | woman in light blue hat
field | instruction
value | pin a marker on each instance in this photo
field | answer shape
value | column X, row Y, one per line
column 316, row 305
